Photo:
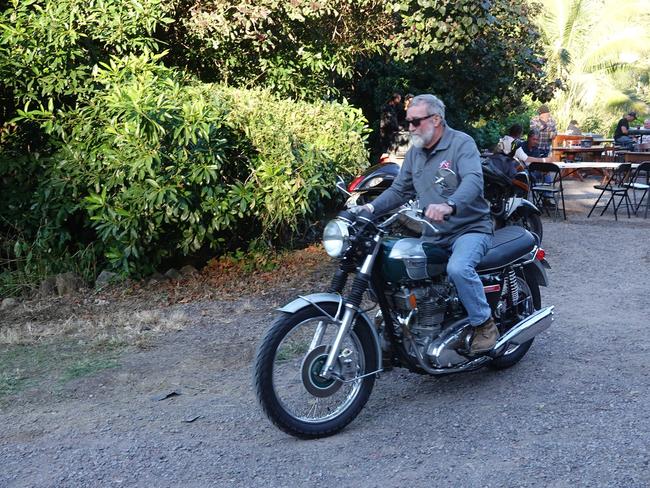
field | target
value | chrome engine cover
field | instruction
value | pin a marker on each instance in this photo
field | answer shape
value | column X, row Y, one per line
column 442, row 350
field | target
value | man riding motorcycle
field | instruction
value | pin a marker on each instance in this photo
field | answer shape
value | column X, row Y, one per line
column 443, row 170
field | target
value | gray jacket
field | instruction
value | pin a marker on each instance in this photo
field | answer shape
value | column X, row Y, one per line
column 456, row 151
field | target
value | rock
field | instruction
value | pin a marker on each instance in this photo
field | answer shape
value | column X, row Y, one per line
column 172, row 274
column 8, row 303
column 67, row 283
column 48, row 287
column 188, row 270
column 156, row 278
column 105, row 278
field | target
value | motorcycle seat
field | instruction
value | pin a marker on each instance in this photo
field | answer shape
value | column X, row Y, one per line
column 508, row 244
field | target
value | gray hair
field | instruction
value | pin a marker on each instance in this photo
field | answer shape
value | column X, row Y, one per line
column 534, row 132
column 433, row 103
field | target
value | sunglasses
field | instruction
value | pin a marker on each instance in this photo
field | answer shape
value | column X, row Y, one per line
column 418, row 120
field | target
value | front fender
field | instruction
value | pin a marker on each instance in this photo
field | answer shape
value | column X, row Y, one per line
column 316, row 299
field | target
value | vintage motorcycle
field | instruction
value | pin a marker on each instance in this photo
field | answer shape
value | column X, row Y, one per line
column 507, row 195
column 317, row 364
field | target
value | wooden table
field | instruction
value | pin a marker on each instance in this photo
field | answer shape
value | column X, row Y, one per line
column 594, row 152
column 634, row 157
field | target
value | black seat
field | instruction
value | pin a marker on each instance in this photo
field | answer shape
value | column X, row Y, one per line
column 618, row 184
column 543, row 191
column 508, row 245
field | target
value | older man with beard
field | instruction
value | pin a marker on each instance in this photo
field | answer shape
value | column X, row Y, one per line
column 443, row 170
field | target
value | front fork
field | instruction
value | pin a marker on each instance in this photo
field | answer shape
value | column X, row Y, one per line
column 359, row 286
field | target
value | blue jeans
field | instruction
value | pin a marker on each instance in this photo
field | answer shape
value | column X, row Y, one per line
column 467, row 252
column 626, row 141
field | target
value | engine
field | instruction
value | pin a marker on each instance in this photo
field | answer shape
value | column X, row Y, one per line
column 426, row 306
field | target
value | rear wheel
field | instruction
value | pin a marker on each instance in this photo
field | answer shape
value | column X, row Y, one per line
column 529, row 301
column 287, row 373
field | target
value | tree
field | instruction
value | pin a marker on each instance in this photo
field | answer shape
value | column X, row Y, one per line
column 599, row 53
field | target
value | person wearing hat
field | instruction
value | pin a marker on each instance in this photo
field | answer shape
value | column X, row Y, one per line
column 545, row 124
column 621, row 136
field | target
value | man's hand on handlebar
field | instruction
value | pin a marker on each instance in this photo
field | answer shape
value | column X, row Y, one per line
column 357, row 209
column 438, row 211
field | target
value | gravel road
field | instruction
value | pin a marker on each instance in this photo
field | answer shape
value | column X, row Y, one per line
column 573, row 412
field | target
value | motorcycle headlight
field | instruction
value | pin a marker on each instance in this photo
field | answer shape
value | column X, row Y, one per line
column 336, row 238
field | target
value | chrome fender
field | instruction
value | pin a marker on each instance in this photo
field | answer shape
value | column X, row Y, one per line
column 316, row 299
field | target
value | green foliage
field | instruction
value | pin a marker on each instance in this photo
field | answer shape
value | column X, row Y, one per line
column 50, row 49
column 298, row 48
column 154, row 166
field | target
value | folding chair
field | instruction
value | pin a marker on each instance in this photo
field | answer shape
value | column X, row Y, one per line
column 543, row 190
column 616, row 185
column 640, row 181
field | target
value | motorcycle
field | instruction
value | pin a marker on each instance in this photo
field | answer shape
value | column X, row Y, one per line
column 317, row 364
column 507, row 195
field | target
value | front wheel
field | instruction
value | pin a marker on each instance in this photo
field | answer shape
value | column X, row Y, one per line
column 287, row 381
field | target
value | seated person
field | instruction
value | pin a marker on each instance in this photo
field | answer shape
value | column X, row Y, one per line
column 573, row 128
column 621, row 136
column 530, row 151
column 508, row 144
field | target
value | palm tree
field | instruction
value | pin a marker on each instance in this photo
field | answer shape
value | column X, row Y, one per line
column 599, row 52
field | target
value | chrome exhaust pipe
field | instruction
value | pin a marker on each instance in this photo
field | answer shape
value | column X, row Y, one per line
column 526, row 329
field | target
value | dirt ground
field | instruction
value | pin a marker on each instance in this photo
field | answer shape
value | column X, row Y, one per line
column 165, row 396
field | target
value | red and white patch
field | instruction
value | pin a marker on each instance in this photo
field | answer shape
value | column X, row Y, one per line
column 445, row 164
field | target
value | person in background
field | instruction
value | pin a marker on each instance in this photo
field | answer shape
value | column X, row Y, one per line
column 545, row 124
column 530, row 151
column 573, row 128
column 388, row 122
column 621, row 136
column 509, row 144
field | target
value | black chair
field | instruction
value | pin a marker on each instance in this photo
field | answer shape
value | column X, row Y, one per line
column 616, row 185
column 542, row 191
column 640, row 181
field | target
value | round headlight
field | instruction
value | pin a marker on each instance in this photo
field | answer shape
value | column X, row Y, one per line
column 336, row 238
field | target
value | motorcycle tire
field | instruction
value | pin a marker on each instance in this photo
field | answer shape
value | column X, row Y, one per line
column 528, row 286
column 284, row 362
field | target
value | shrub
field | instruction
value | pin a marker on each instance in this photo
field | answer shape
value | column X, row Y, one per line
column 156, row 165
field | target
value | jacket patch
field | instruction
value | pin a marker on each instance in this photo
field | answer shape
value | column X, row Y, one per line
column 445, row 164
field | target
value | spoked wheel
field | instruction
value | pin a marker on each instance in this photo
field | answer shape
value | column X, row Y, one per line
column 288, row 380
column 529, row 301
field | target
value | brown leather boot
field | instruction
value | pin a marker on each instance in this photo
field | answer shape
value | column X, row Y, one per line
column 484, row 337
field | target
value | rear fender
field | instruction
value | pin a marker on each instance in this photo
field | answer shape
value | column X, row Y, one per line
column 318, row 299
column 536, row 268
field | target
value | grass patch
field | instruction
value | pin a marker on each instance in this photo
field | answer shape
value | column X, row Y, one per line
column 48, row 366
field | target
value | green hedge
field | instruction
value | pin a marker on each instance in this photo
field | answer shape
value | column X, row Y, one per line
column 156, row 166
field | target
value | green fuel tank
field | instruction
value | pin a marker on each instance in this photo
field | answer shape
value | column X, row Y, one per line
column 408, row 259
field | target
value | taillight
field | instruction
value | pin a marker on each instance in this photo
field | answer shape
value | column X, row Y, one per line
column 540, row 254
column 355, row 182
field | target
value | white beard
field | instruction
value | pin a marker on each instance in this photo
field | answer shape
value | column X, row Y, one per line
column 420, row 140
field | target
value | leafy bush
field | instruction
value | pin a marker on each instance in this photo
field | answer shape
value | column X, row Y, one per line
column 156, row 166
